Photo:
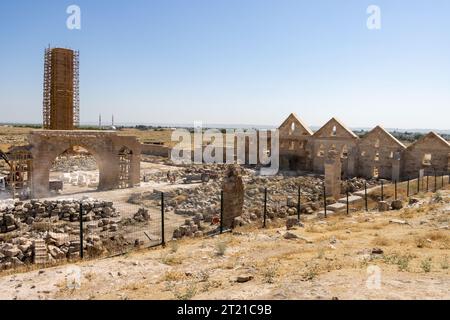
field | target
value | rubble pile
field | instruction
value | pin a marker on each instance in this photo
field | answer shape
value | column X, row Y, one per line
column 282, row 195
column 141, row 215
column 57, row 246
column 55, row 223
column 81, row 178
column 193, row 227
column 356, row 184
column 74, row 163
column 12, row 215
column 155, row 176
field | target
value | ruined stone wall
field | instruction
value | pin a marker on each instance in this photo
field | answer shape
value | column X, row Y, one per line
column 347, row 149
column 379, row 156
column 429, row 153
column 155, row 150
column 295, row 149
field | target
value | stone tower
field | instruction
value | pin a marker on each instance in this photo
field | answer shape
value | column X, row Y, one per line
column 61, row 97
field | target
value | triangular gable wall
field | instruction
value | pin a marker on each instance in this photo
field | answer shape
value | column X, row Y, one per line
column 300, row 128
column 377, row 131
column 341, row 130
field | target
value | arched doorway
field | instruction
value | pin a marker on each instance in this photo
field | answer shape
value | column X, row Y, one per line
column 107, row 149
column 75, row 170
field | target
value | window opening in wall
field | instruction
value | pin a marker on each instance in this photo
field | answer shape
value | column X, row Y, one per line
column 292, row 145
column 377, row 143
column 375, row 173
column 426, row 159
column 321, row 152
column 344, row 153
column 333, row 132
column 377, row 156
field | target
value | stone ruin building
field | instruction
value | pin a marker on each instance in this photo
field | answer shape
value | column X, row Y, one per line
column 377, row 154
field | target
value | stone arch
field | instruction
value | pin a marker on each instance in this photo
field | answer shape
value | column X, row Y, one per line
column 103, row 145
column 45, row 160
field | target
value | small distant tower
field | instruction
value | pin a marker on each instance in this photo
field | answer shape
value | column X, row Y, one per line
column 61, row 105
column 112, row 121
column 99, row 120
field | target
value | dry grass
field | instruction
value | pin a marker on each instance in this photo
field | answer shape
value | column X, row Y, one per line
column 170, row 259
column 174, row 276
column 381, row 241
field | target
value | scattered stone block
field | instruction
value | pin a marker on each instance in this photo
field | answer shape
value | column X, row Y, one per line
column 397, row 204
column 383, row 206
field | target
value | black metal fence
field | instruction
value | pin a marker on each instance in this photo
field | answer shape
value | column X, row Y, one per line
column 94, row 228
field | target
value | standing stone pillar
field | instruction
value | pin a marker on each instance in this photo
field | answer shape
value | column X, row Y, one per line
column 333, row 174
column 233, row 196
column 396, row 167
column 351, row 162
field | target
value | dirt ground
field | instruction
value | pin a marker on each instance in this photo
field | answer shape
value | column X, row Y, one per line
column 392, row 255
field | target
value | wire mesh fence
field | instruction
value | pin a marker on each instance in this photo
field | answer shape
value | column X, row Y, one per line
column 90, row 228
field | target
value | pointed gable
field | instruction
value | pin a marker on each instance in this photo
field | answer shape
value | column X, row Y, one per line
column 378, row 132
column 335, row 128
column 295, row 126
column 431, row 137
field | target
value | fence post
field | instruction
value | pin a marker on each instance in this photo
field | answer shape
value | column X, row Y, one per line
column 382, row 190
column 395, row 189
column 163, row 239
column 346, row 193
column 221, row 211
column 365, row 195
column 324, row 200
column 81, row 230
column 442, row 181
column 418, row 183
column 298, row 203
column 435, row 182
column 265, row 207
column 407, row 188
column 428, row 176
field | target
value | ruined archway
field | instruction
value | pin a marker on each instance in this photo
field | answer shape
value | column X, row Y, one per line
column 104, row 146
column 75, row 170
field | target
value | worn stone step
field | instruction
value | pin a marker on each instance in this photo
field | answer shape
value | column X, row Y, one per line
column 351, row 199
column 336, row 207
column 369, row 191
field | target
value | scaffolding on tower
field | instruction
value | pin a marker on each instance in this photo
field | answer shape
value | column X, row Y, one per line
column 76, row 89
column 47, row 87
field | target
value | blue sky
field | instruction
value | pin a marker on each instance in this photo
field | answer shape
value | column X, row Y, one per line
column 236, row 61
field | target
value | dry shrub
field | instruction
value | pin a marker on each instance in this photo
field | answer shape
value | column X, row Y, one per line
column 180, row 198
column 312, row 228
column 170, row 259
column 407, row 213
column 378, row 225
column 422, row 242
column 438, row 236
column 174, row 276
column 381, row 241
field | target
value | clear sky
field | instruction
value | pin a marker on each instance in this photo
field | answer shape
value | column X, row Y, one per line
column 235, row 61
